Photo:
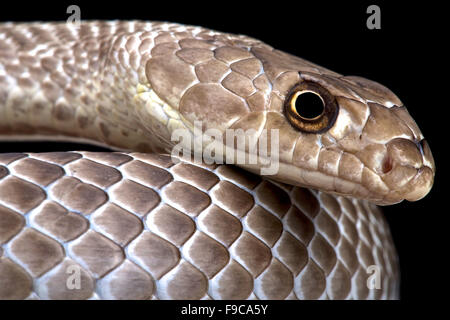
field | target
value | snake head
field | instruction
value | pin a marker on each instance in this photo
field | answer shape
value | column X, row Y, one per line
column 341, row 134
column 346, row 134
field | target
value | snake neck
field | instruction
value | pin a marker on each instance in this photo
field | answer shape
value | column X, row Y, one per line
column 83, row 81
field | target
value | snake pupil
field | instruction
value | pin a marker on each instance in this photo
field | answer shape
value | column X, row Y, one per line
column 309, row 105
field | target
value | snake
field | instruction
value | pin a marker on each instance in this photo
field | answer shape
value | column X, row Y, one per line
column 145, row 222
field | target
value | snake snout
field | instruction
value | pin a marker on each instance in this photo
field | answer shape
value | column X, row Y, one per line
column 408, row 168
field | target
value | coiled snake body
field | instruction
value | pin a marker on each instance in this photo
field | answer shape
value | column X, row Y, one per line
column 142, row 225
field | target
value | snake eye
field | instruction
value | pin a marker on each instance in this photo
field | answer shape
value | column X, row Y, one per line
column 311, row 108
column 307, row 104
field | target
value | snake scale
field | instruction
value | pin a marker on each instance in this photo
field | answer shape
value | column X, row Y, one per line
column 140, row 224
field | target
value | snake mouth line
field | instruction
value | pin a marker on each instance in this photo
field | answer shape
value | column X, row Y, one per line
column 419, row 185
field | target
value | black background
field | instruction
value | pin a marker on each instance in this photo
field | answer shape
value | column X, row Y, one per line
column 406, row 55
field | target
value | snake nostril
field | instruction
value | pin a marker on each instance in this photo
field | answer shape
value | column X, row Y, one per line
column 387, row 165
